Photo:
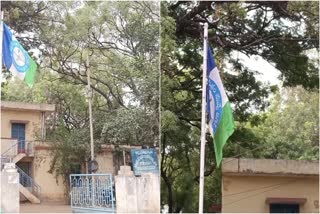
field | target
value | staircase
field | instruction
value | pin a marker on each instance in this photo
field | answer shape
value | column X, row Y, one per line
column 28, row 187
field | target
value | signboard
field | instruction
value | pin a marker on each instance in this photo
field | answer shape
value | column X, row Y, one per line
column 144, row 160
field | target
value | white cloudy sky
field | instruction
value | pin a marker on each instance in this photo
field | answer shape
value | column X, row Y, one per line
column 268, row 73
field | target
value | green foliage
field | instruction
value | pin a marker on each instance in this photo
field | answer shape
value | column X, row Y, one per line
column 66, row 158
column 121, row 40
column 279, row 32
column 291, row 126
column 135, row 127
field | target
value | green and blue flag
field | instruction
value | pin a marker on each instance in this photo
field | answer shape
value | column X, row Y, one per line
column 16, row 59
column 221, row 123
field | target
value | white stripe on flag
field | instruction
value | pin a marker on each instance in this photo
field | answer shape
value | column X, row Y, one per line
column 16, row 73
column 215, row 76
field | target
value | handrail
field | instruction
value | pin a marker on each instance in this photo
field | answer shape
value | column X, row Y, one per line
column 29, row 183
column 5, row 160
column 16, row 148
column 29, row 147
column 15, row 145
column 25, row 179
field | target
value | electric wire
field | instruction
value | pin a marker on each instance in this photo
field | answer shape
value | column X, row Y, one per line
column 258, row 193
column 260, row 188
column 255, row 189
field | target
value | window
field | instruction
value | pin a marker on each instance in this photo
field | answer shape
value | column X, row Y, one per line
column 285, row 205
column 284, row 208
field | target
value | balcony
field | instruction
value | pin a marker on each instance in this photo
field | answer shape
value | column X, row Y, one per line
column 13, row 148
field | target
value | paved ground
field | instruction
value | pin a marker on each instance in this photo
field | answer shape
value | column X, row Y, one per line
column 45, row 207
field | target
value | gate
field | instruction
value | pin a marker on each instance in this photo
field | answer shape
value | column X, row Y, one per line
column 92, row 193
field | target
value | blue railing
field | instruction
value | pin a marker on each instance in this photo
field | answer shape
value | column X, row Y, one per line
column 92, row 192
column 19, row 147
column 25, row 180
column 29, row 183
column 11, row 151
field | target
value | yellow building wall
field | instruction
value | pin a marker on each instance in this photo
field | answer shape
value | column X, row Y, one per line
column 105, row 162
column 51, row 189
column 6, row 145
column 243, row 194
column 32, row 118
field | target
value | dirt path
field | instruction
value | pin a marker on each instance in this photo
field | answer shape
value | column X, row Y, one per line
column 45, row 207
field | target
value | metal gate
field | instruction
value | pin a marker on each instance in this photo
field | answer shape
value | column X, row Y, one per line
column 92, row 193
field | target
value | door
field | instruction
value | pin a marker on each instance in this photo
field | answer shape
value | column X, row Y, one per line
column 18, row 131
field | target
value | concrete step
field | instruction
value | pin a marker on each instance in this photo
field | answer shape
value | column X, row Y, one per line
column 26, row 193
column 18, row 157
column 22, row 198
column 125, row 170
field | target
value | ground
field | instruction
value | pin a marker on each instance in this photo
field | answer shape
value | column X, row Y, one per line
column 45, row 207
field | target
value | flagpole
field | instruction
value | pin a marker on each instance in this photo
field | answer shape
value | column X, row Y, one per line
column 203, row 117
column 89, row 90
column 1, row 40
column 89, row 95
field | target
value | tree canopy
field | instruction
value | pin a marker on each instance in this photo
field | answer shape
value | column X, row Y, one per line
column 283, row 34
column 121, row 40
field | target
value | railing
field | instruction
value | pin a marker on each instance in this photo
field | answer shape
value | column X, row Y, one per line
column 29, row 148
column 16, row 148
column 5, row 160
column 25, row 179
column 19, row 147
column 9, row 147
column 29, row 183
column 92, row 192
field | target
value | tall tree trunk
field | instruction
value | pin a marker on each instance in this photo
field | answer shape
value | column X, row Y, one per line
column 164, row 174
column 169, row 187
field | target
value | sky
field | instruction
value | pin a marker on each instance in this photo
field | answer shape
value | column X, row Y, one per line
column 268, row 73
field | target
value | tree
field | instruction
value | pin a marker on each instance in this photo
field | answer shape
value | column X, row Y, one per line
column 267, row 29
column 123, row 65
column 290, row 128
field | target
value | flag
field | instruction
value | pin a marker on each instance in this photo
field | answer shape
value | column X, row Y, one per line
column 221, row 124
column 16, row 59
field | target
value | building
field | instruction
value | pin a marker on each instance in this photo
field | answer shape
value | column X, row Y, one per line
column 22, row 125
column 267, row 185
column 23, row 142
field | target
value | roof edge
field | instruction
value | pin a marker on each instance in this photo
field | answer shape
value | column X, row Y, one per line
column 256, row 167
column 20, row 106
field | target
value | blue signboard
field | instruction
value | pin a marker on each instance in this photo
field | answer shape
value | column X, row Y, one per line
column 144, row 160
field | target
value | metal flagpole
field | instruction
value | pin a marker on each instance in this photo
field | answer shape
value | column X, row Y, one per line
column 89, row 95
column 124, row 157
column 1, row 40
column 203, row 117
column 89, row 91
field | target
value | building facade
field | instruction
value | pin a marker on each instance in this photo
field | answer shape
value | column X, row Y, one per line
column 269, row 186
column 23, row 142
